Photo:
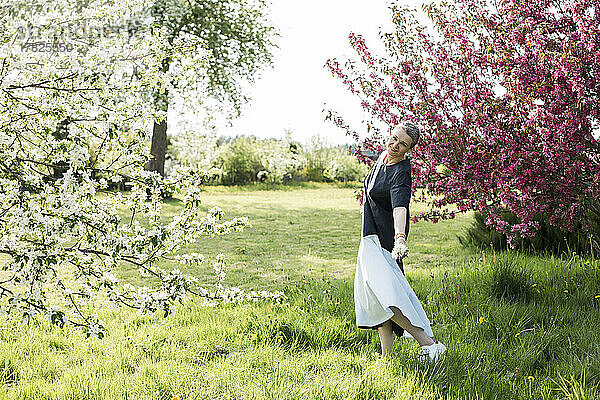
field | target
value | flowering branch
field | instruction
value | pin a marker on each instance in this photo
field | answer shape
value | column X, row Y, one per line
column 508, row 98
column 71, row 125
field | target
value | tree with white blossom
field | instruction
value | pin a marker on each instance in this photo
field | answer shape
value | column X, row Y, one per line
column 74, row 117
column 237, row 41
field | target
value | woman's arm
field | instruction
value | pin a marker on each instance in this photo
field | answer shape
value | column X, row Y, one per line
column 400, row 249
column 400, row 221
column 400, row 191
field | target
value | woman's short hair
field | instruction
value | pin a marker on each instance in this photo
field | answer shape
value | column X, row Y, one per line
column 412, row 130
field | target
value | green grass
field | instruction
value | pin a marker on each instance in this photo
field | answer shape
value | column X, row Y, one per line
column 516, row 326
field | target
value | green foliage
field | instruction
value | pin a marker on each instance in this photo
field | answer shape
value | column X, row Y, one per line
column 235, row 34
column 240, row 161
column 191, row 148
column 345, row 168
column 228, row 41
column 575, row 387
column 548, row 239
column 247, row 159
column 317, row 155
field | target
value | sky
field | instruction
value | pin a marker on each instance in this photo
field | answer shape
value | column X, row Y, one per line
column 292, row 93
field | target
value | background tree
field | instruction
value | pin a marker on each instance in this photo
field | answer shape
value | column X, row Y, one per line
column 237, row 40
column 507, row 94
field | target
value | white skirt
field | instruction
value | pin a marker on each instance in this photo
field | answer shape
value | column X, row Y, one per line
column 378, row 284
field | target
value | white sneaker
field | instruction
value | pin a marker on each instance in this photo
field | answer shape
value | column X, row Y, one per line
column 431, row 353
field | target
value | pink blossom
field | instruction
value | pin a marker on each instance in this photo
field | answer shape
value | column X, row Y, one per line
column 531, row 149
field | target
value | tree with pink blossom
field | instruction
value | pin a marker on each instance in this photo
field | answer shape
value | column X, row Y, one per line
column 507, row 94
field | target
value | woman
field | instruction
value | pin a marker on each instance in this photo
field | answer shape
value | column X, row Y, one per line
column 382, row 296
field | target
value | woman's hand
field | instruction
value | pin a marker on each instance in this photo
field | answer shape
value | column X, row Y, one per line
column 400, row 249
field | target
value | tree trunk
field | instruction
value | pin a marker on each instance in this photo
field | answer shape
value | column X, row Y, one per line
column 158, row 148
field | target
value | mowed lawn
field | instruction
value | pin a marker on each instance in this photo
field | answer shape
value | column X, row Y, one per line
column 516, row 326
column 312, row 231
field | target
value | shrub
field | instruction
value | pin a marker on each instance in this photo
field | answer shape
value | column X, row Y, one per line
column 240, row 161
column 317, row 155
column 548, row 239
column 281, row 160
column 247, row 159
column 344, row 167
column 193, row 148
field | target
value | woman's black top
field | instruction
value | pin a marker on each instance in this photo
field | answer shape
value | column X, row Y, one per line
column 392, row 188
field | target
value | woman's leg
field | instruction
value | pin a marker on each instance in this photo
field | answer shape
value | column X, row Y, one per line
column 416, row 332
column 386, row 338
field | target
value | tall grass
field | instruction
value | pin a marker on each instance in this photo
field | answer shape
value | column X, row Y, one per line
column 517, row 326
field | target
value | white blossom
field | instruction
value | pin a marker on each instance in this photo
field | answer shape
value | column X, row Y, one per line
column 75, row 123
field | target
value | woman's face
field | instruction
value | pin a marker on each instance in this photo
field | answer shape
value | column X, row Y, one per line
column 399, row 143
